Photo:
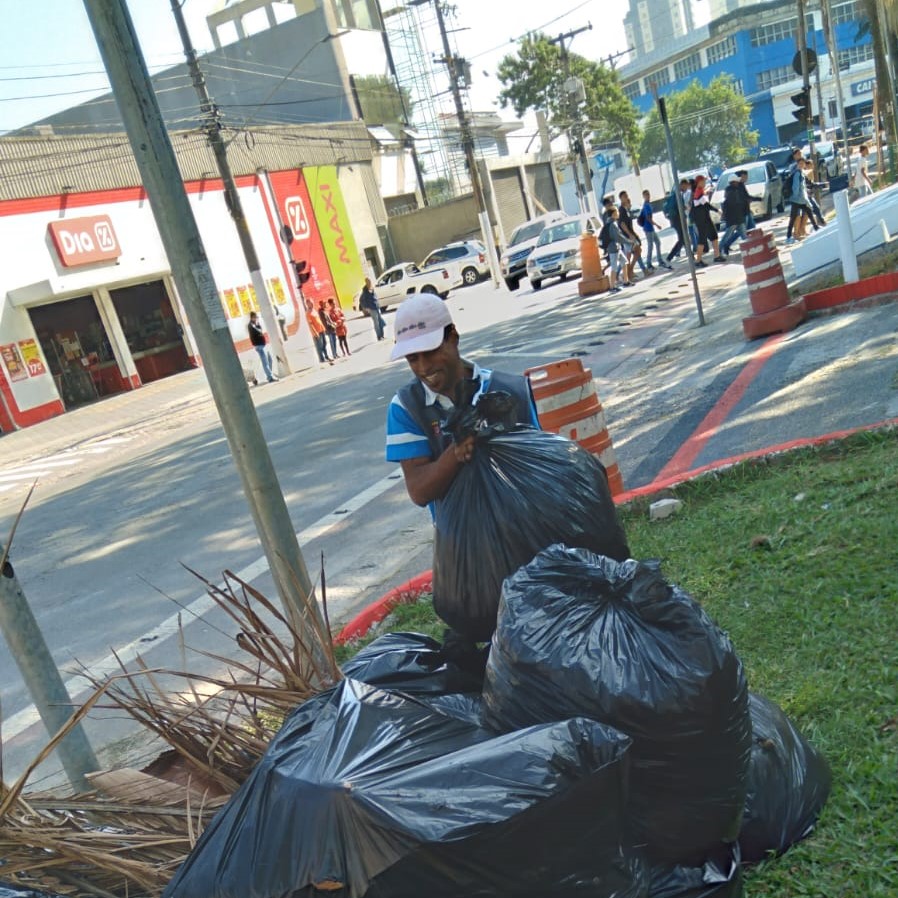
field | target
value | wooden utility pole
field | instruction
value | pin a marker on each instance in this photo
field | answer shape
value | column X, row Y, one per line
column 156, row 161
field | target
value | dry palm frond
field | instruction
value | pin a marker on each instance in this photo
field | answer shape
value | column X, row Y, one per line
column 127, row 839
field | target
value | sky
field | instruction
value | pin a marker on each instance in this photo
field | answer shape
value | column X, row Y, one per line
column 49, row 58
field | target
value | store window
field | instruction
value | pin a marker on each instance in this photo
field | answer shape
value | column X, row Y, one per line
column 151, row 329
column 77, row 349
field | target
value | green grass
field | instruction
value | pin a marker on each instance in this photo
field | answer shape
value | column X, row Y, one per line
column 797, row 558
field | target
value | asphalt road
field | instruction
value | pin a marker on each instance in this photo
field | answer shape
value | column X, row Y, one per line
column 102, row 549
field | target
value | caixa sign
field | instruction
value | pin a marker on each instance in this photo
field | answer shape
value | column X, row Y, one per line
column 862, row 87
column 81, row 241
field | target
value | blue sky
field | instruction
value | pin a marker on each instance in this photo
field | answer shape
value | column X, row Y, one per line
column 49, row 59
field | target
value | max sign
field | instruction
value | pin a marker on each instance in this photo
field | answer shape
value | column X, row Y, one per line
column 80, row 241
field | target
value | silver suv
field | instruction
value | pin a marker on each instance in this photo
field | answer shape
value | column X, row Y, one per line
column 467, row 259
column 513, row 263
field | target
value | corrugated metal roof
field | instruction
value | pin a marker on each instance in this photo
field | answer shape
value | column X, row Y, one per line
column 49, row 165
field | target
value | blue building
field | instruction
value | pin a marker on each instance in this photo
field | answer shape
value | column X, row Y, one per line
column 756, row 46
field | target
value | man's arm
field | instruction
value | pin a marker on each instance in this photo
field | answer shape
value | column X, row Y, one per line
column 428, row 480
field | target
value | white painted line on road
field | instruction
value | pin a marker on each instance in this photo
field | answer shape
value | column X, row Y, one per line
column 20, row 721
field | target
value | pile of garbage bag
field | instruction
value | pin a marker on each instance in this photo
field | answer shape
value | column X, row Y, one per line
column 366, row 792
column 522, row 491
column 612, row 751
column 583, row 635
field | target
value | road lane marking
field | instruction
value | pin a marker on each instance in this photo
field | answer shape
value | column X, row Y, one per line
column 76, row 685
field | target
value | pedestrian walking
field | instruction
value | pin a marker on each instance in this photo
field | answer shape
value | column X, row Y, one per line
column 701, row 216
column 625, row 223
column 318, row 333
column 800, row 210
column 339, row 320
column 330, row 327
column 646, row 220
column 672, row 212
column 735, row 210
column 611, row 241
column 862, row 182
column 368, row 303
column 259, row 339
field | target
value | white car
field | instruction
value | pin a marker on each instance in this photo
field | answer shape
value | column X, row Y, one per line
column 513, row 262
column 396, row 284
column 557, row 252
column 465, row 259
column 764, row 185
column 830, row 157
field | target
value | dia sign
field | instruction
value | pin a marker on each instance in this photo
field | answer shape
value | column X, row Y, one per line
column 81, row 241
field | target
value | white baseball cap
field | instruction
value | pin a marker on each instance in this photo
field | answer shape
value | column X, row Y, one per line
column 419, row 326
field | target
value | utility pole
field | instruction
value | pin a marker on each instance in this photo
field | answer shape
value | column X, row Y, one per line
column 456, row 67
column 883, row 42
column 573, row 89
column 806, row 75
column 681, row 209
column 155, row 158
column 826, row 7
column 232, row 195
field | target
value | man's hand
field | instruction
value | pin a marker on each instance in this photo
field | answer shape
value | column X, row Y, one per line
column 464, row 450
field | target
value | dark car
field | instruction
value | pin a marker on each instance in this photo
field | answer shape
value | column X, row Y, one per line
column 781, row 157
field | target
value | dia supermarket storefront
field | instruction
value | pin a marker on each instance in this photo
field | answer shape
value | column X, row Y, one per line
column 90, row 308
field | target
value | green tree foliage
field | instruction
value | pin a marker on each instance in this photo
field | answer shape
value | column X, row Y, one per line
column 381, row 101
column 708, row 124
column 534, row 79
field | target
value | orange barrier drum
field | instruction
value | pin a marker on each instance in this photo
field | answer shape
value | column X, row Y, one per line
column 567, row 403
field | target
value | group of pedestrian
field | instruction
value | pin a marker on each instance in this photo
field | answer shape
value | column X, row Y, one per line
column 799, row 187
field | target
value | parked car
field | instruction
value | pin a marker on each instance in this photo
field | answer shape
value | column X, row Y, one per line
column 764, row 185
column 557, row 251
column 465, row 259
column 396, row 284
column 513, row 263
column 781, row 157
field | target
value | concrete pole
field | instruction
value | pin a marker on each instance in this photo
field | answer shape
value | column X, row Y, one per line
column 467, row 142
column 232, row 195
column 41, row 677
column 161, row 178
column 846, row 237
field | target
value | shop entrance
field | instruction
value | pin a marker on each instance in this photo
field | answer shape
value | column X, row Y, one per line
column 77, row 350
column 151, row 329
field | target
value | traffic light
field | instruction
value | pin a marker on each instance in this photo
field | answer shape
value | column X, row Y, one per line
column 803, row 101
column 302, row 275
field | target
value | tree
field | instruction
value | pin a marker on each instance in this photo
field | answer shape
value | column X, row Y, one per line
column 381, row 101
column 882, row 31
column 534, row 79
column 709, row 125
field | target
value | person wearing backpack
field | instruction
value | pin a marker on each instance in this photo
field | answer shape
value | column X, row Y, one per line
column 609, row 241
column 672, row 212
column 646, row 221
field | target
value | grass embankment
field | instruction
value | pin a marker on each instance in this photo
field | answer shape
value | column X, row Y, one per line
column 797, row 558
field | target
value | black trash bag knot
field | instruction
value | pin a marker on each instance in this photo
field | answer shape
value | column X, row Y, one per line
column 494, row 413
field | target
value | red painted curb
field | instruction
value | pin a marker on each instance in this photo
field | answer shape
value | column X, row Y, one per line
column 843, row 294
column 378, row 610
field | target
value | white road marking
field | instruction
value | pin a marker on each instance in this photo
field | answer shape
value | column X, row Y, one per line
column 76, row 685
column 67, row 458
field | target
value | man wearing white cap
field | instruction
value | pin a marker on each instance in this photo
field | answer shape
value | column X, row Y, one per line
column 428, row 340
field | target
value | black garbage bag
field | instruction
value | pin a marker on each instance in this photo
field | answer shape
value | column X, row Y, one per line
column 522, row 491
column 720, row 876
column 583, row 635
column 411, row 663
column 788, row 784
column 369, row 792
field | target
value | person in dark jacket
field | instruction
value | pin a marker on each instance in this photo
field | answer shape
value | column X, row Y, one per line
column 736, row 210
column 260, row 344
column 370, row 306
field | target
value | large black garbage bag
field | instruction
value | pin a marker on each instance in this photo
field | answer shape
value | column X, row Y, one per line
column 720, row 876
column 522, row 491
column 411, row 663
column 368, row 792
column 788, row 784
column 583, row 635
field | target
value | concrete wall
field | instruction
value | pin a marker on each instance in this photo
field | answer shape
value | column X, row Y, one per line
column 415, row 234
